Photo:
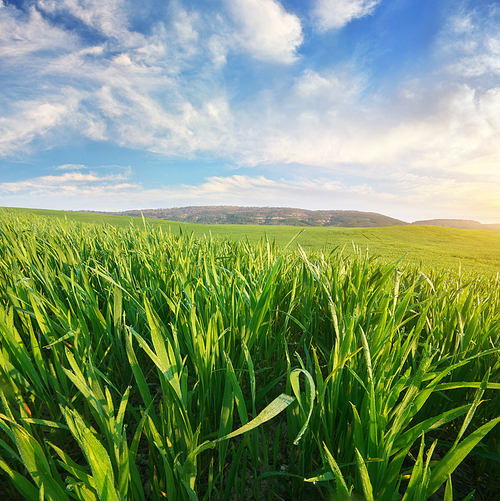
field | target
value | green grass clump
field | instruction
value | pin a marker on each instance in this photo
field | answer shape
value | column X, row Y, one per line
column 139, row 364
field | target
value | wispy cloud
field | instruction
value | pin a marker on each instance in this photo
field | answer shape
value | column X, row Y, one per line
column 130, row 89
column 404, row 194
column 26, row 33
column 71, row 167
column 107, row 16
column 470, row 45
column 110, row 192
column 29, row 119
column 73, row 182
column 337, row 13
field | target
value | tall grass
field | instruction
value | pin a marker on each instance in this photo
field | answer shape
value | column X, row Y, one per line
column 137, row 364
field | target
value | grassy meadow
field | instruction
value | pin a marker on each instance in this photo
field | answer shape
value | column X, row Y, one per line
column 142, row 363
column 473, row 251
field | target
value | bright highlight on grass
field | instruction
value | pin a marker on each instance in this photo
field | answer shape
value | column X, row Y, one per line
column 142, row 365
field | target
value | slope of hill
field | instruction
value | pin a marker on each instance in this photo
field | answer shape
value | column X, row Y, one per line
column 462, row 224
column 267, row 216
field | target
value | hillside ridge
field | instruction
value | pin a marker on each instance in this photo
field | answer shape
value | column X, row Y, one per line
column 228, row 214
column 281, row 216
column 462, row 224
column 266, row 216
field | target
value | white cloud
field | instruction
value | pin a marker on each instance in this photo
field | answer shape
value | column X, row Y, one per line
column 34, row 118
column 22, row 35
column 107, row 16
column 219, row 49
column 469, row 45
column 406, row 196
column 478, row 58
column 111, row 193
column 130, row 90
column 71, row 167
column 267, row 31
column 138, row 96
column 184, row 24
column 46, row 183
column 69, row 182
column 337, row 13
column 450, row 127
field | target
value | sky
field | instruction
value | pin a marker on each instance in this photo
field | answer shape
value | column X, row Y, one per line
column 389, row 106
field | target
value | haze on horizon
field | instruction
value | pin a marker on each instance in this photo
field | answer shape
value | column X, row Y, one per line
column 388, row 106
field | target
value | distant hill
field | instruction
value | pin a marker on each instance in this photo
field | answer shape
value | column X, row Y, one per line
column 267, row 216
column 226, row 214
column 463, row 224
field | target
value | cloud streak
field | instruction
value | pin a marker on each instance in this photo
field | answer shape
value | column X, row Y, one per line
column 61, row 184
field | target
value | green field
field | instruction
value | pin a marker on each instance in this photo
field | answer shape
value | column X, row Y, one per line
column 433, row 246
column 138, row 364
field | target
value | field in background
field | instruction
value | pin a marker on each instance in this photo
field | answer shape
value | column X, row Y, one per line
column 433, row 246
column 138, row 364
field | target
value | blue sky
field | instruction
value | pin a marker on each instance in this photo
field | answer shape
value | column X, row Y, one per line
column 390, row 106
